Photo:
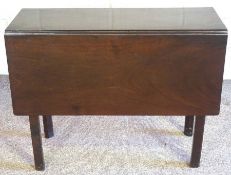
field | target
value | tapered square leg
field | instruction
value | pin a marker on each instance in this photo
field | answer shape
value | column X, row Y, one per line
column 197, row 141
column 48, row 126
column 188, row 126
column 37, row 142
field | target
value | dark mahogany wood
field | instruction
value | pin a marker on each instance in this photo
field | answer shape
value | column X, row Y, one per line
column 116, row 74
column 188, row 126
column 37, row 142
column 197, row 141
column 125, row 60
column 116, row 62
column 48, row 126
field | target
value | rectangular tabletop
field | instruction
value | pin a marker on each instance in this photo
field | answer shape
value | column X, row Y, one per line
column 116, row 61
column 109, row 19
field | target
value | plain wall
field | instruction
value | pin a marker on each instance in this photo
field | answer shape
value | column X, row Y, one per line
column 9, row 9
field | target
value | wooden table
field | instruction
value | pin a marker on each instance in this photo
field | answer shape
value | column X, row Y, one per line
column 116, row 62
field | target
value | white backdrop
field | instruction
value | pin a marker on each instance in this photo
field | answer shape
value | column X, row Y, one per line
column 9, row 8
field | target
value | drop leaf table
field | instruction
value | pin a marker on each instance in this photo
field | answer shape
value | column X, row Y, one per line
column 162, row 61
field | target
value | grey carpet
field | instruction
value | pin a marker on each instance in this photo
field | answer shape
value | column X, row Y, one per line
column 115, row 144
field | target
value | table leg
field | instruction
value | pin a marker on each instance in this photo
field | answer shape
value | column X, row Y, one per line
column 36, row 142
column 188, row 126
column 48, row 126
column 197, row 141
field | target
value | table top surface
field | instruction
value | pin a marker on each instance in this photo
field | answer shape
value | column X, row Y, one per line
column 203, row 19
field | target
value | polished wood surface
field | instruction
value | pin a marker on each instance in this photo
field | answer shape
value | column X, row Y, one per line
column 113, row 19
column 116, row 62
column 116, row 74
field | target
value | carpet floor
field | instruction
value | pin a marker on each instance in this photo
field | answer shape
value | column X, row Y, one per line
column 118, row 145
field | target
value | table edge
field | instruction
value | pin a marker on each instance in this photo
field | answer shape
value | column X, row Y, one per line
column 118, row 32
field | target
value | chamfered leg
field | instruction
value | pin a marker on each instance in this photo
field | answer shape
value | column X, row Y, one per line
column 36, row 142
column 188, row 126
column 197, row 141
column 48, row 126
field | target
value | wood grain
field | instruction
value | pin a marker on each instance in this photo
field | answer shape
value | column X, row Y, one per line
column 116, row 74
